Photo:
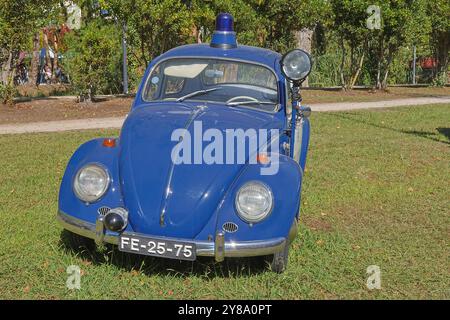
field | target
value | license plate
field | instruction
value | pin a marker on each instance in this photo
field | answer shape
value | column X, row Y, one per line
column 157, row 247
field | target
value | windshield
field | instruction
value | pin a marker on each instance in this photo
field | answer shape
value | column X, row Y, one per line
column 226, row 81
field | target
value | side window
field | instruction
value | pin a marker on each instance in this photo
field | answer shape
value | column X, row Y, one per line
column 236, row 72
column 257, row 76
column 152, row 88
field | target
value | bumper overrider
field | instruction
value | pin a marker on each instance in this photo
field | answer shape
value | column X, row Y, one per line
column 219, row 249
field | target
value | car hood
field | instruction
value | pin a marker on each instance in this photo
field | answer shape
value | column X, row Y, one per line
column 176, row 200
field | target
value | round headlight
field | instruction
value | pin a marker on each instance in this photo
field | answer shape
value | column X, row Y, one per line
column 254, row 201
column 91, row 183
column 296, row 65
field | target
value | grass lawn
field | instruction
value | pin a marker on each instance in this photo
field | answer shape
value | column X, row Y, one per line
column 311, row 96
column 376, row 192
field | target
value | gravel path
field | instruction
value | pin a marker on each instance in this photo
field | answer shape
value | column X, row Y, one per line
column 64, row 125
column 343, row 106
column 116, row 122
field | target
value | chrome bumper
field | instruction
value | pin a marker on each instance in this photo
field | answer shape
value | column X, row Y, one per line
column 219, row 249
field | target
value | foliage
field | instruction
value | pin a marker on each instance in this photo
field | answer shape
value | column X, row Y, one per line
column 372, row 50
column 346, row 51
column 403, row 22
column 439, row 14
column 93, row 60
column 155, row 26
column 324, row 72
column 351, row 33
column 7, row 93
column 18, row 21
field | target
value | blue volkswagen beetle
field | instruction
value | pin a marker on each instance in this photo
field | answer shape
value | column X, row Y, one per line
column 209, row 161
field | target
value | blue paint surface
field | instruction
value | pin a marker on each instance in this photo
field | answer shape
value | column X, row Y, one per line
column 201, row 196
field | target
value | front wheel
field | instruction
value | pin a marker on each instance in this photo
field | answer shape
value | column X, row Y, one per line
column 279, row 260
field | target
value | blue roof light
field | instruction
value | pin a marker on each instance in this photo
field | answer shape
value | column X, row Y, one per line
column 224, row 37
column 224, row 22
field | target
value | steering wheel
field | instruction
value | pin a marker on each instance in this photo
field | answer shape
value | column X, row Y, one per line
column 242, row 97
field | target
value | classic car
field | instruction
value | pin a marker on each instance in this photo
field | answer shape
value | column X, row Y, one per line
column 170, row 186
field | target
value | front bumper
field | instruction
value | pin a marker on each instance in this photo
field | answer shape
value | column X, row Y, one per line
column 219, row 249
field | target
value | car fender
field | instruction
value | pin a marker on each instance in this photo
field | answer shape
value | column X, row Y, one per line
column 285, row 186
column 92, row 151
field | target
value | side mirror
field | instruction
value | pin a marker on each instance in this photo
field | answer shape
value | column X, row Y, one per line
column 305, row 112
column 296, row 66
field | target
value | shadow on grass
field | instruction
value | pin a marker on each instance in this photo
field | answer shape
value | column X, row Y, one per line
column 445, row 132
column 203, row 267
column 434, row 136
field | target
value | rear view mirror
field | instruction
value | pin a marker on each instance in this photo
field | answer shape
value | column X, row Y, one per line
column 211, row 73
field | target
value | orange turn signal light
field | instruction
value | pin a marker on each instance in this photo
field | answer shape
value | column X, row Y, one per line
column 109, row 142
column 262, row 158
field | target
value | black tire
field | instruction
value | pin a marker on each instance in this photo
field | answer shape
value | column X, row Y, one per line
column 278, row 261
column 78, row 242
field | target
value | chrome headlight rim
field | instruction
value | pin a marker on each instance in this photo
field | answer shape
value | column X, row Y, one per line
column 104, row 190
column 258, row 218
column 284, row 69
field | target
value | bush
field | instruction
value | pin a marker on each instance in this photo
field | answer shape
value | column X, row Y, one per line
column 7, row 94
column 93, row 61
column 440, row 80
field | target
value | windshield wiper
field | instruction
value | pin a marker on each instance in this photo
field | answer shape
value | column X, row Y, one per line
column 196, row 93
column 238, row 103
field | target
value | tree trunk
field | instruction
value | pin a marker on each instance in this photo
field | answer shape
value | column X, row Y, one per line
column 341, row 67
column 358, row 71
column 303, row 39
column 384, row 83
column 386, row 69
column 6, row 68
column 34, row 68
column 380, row 57
column 378, row 80
column 55, row 52
column 7, row 76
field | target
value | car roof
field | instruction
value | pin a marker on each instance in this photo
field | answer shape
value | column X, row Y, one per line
column 248, row 53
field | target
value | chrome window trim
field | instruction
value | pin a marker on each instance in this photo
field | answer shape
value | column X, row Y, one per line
column 276, row 107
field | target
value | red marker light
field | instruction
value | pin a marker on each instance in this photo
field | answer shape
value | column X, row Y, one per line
column 109, row 142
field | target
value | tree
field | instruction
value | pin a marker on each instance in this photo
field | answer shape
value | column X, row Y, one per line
column 403, row 22
column 395, row 24
column 155, row 26
column 14, row 31
column 248, row 26
column 309, row 14
column 349, row 24
column 439, row 13
column 18, row 21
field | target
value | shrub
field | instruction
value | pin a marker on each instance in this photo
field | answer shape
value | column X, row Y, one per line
column 94, row 59
column 7, row 93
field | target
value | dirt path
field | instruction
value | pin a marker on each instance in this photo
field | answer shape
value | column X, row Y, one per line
column 116, row 122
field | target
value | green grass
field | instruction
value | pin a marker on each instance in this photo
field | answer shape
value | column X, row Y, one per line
column 376, row 192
